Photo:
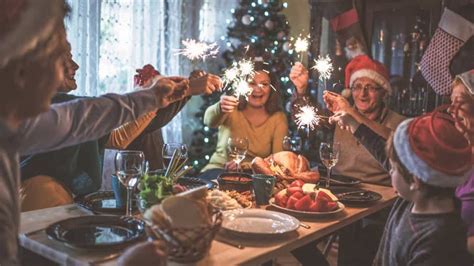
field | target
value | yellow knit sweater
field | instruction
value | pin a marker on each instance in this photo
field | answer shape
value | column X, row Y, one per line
column 264, row 139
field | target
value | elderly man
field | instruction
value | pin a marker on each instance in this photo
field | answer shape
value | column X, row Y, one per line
column 368, row 81
column 32, row 46
column 369, row 84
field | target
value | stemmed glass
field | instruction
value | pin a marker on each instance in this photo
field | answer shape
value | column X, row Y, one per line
column 129, row 167
column 237, row 148
column 168, row 150
column 293, row 144
column 329, row 153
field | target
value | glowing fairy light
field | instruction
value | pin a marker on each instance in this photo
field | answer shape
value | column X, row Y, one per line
column 195, row 50
column 324, row 67
column 307, row 117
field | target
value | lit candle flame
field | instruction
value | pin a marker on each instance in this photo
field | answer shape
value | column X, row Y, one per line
column 195, row 50
column 324, row 67
column 307, row 117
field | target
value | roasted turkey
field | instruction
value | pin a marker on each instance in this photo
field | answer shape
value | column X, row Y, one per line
column 286, row 166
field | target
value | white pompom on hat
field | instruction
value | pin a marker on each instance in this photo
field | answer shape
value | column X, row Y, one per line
column 25, row 23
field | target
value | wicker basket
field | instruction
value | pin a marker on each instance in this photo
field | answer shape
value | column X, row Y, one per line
column 187, row 245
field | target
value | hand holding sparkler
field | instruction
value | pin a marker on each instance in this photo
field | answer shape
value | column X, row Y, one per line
column 228, row 103
column 345, row 121
column 201, row 82
column 335, row 102
column 299, row 76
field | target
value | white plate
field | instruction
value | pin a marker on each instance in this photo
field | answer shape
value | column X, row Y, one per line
column 258, row 222
column 305, row 213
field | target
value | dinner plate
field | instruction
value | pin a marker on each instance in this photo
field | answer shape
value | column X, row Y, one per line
column 306, row 213
column 351, row 195
column 97, row 231
column 102, row 202
column 257, row 222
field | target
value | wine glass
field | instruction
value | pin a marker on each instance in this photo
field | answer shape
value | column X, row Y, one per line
column 329, row 153
column 168, row 150
column 237, row 148
column 129, row 166
column 293, row 144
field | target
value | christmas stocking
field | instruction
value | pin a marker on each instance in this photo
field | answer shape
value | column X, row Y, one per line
column 453, row 31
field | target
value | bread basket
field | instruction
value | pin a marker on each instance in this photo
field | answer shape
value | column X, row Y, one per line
column 188, row 245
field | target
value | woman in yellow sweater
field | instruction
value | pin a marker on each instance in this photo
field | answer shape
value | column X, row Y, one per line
column 260, row 119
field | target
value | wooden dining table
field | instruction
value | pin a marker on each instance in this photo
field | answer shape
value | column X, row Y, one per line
column 223, row 250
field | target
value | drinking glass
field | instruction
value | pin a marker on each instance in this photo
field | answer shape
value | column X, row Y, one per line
column 237, row 148
column 129, row 166
column 168, row 150
column 329, row 153
column 293, row 144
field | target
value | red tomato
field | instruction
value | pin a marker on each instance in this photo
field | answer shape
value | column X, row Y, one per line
column 297, row 183
column 292, row 190
column 290, row 204
column 304, row 203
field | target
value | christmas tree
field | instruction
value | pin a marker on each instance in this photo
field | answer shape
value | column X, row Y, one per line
column 258, row 25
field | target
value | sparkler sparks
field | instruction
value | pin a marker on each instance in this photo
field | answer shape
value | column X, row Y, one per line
column 246, row 68
column 238, row 75
column 301, row 45
column 324, row 67
column 195, row 50
column 242, row 88
column 307, row 117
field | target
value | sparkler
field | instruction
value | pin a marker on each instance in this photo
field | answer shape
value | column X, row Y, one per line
column 307, row 117
column 301, row 46
column 324, row 67
column 242, row 88
column 195, row 50
column 237, row 77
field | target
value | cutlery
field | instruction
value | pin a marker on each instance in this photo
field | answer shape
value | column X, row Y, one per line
column 305, row 225
column 239, row 246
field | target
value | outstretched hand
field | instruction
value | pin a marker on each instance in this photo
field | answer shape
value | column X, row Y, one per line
column 204, row 83
column 345, row 121
column 228, row 103
column 299, row 76
column 336, row 102
column 169, row 90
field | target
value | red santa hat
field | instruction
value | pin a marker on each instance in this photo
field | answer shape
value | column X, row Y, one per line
column 25, row 23
column 433, row 150
column 363, row 66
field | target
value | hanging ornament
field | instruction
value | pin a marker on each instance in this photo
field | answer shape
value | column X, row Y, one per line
column 286, row 46
column 269, row 24
column 281, row 35
column 246, row 20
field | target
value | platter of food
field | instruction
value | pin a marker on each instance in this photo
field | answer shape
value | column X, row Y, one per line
column 258, row 222
column 303, row 199
column 230, row 200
